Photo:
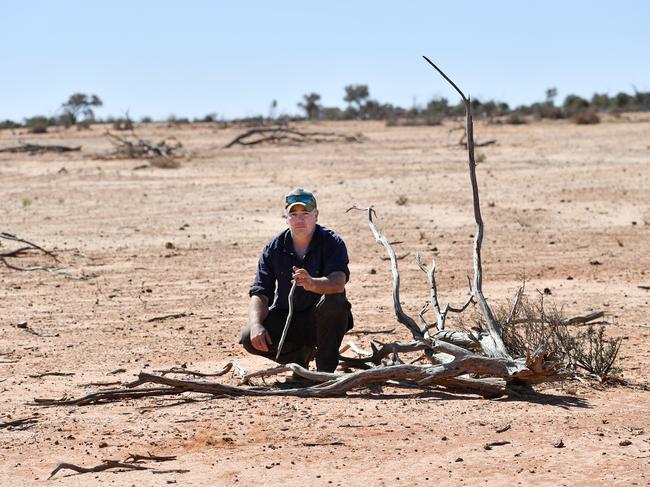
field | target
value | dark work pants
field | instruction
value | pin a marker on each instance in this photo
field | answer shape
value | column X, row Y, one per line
column 316, row 332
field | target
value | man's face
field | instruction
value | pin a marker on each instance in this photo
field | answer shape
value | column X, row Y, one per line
column 302, row 223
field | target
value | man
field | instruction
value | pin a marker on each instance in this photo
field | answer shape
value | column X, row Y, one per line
column 317, row 260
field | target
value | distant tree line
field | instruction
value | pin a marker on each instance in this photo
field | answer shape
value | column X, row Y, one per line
column 78, row 111
column 580, row 110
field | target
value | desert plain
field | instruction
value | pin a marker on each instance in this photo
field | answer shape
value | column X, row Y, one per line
column 566, row 208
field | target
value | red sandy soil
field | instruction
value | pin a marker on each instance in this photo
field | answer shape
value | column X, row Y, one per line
column 565, row 207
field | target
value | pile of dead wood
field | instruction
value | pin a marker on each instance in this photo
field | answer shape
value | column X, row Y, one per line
column 163, row 154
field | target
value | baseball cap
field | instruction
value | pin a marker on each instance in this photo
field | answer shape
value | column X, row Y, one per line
column 300, row 197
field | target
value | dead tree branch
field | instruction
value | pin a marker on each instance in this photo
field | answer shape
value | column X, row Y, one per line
column 162, row 155
column 105, row 465
column 494, row 347
column 274, row 135
column 39, row 149
column 399, row 313
column 583, row 319
column 19, row 422
column 29, row 248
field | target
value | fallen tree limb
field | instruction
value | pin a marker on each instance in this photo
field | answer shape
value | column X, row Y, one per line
column 172, row 316
column 19, row 422
column 261, row 135
column 582, row 319
column 37, row 149
column 105, row 465
column 229, row 366
column 51, row 374
column 29, row 247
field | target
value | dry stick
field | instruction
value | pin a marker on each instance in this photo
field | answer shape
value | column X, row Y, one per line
column 154, row 458
column 33, row 148
column 387, row 349
column 498, row 348
column 515, row 305
column 19, row 422
column 107, row 395
column 106, row 465
column 583, row 318
column 388, row 331
column 281, row 133
column 56, row 374
column 167, row 317
column 430, row 272
column 9, row 236
column 399, row 313
column 288, row 322
column 23, row 250
column 231, row 363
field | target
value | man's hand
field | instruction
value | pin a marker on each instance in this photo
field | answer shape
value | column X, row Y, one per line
column 302, row 278
column 260, row 338
column 331, row 284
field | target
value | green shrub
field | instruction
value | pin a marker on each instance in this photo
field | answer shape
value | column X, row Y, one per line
column 37, row 124
column 9, row 124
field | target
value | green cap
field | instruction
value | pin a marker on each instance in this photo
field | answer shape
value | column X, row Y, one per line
column 300, row 197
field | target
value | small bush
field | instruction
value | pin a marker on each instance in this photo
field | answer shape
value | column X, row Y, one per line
column 591, row 351
column 532, row 327
column 123, row 124
column 515, row 119
column 174, row 120
column 38, row 124
column 9, row 124
column 84, row 124
column 146, row 120
column 588, row 117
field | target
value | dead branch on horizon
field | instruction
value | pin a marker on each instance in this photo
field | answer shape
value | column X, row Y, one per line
column 162, row 154
column 463, row 138
column 287, row 135
column 32, row 149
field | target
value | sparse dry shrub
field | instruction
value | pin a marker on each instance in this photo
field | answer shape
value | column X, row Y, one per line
column 401, row 200
column 515, row 119
column 164, row 162
column 592, row 351
column 534, row 325
column 588, row 117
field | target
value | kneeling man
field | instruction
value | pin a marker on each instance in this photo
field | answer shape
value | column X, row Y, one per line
column 317, row 260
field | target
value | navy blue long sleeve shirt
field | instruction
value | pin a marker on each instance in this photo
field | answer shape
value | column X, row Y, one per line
column 326, row 254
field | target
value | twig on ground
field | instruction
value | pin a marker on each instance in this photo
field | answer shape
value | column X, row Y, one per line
column 19, row 422
column 55, row 374
column 167, row 317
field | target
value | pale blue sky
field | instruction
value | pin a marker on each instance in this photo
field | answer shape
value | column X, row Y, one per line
column 192, row 58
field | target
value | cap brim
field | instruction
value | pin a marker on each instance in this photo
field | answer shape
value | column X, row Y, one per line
column 304, row 205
